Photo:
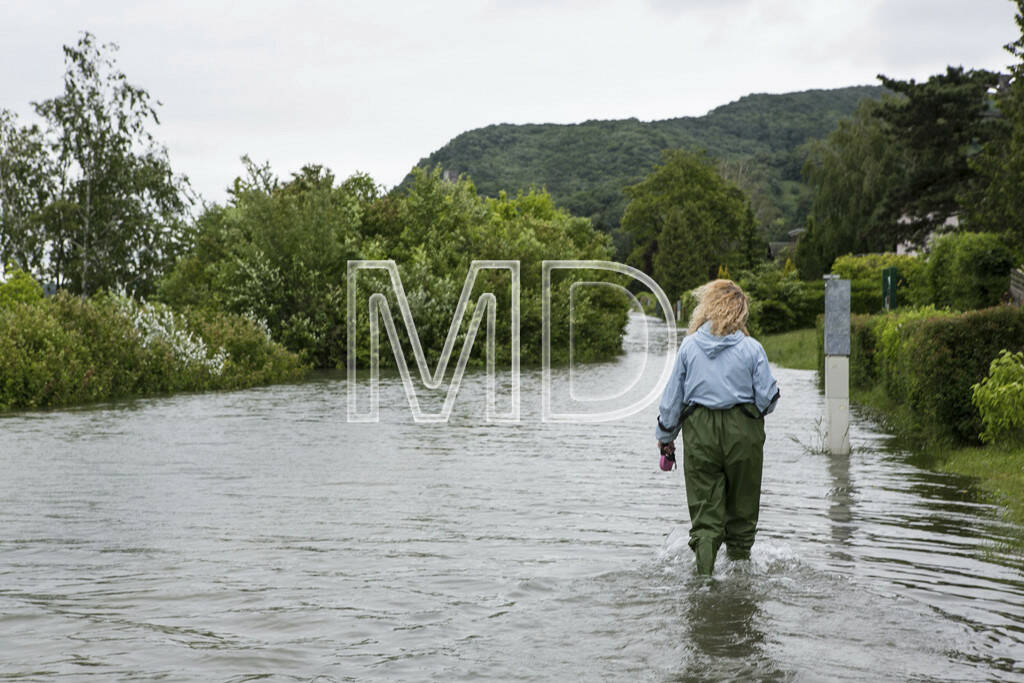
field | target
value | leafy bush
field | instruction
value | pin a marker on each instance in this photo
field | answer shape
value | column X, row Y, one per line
column 969, row 270
column 19, row 287
column 279, row 252
column 875, row 345
column 68, row 350
column 780, row 300
column 964, row 271
column 863, row 346
column 865, row 274
column 896, row 366
column 929, row 360
column 1000, row 399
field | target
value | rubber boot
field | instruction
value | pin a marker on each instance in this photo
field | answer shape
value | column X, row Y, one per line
column 704, row 553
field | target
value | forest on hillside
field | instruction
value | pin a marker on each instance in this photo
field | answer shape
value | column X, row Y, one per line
column 758, row 142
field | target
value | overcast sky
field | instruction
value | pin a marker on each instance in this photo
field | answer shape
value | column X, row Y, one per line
column 376, row 86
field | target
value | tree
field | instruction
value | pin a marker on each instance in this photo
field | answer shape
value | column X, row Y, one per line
column 758, row 139
column 940, row 123
column 277, row 251
column 995, row 202
column 26, row 188
column 851, row 173
column 118, row 213
column 685, row 221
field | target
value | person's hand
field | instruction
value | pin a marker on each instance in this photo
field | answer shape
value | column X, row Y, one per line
column 667, row 448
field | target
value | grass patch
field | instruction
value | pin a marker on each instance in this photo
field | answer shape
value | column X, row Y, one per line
column 999, row 471
column 797, row 349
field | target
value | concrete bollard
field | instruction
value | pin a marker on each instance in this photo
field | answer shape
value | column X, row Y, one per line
column 837, row 365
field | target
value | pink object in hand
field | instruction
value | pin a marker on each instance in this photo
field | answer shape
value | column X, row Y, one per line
column 668, row 456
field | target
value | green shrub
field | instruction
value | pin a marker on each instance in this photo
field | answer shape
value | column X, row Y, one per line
column 865, row 274
column 863, row 343
column 252, row 356
column 969, row 270
column 19, row 288
column 943, row 357
column 67, row 350
column 279, row 251
column 893, row 363
column 928, row 359
column 779, row 300
column 999, row 398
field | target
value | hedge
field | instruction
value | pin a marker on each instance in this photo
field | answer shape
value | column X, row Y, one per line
column 865, row 274
column 929, row 359
column 969, row 270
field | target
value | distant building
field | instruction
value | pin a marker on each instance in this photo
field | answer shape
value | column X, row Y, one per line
column 911, row 248
column 787, row 249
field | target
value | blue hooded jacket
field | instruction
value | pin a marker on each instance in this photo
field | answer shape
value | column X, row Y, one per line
column 718, row 373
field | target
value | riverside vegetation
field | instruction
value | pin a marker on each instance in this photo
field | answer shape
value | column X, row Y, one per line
column 67, row 350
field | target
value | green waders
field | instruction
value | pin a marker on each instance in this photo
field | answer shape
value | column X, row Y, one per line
column 722, row 457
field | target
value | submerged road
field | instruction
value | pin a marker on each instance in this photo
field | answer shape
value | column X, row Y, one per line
column 257, row 534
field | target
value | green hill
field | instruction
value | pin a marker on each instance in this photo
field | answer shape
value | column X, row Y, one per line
column 757, row 141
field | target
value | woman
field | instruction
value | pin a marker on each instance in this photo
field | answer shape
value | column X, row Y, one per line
column 719, row 392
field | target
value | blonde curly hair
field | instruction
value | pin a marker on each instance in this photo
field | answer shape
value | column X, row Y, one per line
column 724, row 304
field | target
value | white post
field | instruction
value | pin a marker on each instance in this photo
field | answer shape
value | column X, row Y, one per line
column 837, row 365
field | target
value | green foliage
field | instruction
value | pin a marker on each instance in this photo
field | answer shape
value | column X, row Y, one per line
column 928, row 361
column 999, row 398
column 92, row 202
column 779, row 300
column 685, row 222
column 67, row 350
column 279, row 252
column 969, row 270
column 757, row 141
column 896, row 367
column 940, row 123
column 27, row 185
column 850, row 174
column 19, row 288
column 865, row 274
column 898, row 168
column 964, row 271
column 994, row 202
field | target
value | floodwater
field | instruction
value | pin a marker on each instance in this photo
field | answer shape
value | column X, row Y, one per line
column 257, row 534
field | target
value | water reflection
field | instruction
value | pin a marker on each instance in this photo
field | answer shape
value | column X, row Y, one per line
column 723, row 629
column 840, row 509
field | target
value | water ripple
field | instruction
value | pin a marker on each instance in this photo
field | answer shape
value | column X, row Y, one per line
column 256, row 534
